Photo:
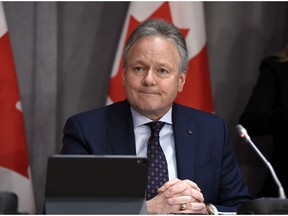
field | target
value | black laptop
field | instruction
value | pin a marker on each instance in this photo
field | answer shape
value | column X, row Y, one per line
column 88, row 184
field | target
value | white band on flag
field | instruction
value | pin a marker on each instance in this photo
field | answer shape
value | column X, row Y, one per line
column 3, row 25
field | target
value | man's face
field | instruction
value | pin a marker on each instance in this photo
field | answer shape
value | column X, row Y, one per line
column 151, row 77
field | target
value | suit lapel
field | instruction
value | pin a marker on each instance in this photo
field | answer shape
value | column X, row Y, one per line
column 122, row 140
column 120, row 129
column 185, row 141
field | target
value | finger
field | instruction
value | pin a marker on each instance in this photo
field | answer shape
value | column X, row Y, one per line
column 168, row 185
column 195, row 208
column 192, row 184
column 189, row 195
column 200, row 207
column 176, row 189
column 195, row 194
column 180, row 199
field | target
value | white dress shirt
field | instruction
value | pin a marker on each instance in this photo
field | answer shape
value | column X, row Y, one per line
column 142, row 133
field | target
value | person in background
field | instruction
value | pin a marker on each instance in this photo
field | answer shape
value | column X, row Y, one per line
column 200, row 169
column 267, row 113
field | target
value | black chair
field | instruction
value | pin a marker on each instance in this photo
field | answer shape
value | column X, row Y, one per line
column 8, row 203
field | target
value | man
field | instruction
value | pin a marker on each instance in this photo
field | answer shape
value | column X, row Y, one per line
column 201, row 163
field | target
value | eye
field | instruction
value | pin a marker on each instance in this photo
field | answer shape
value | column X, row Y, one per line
column 138, row 69
column 163, row 71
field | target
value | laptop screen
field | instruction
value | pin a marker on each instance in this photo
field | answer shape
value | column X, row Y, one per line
column 77, row 180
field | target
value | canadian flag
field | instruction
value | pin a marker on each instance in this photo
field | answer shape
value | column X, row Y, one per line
column 14, row 164
column 188, row 17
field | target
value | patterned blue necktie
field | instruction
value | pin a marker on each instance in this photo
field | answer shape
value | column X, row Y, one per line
column 158, row 170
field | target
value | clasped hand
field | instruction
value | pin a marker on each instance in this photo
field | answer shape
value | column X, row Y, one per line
column 177, row 196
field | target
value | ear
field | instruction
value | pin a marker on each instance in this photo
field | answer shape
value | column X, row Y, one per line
column 123, row 75
column 182, row 78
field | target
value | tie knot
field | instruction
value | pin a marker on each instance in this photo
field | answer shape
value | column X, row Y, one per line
column 156, row 126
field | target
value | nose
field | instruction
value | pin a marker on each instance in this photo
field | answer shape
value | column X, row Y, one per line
column 149, row 78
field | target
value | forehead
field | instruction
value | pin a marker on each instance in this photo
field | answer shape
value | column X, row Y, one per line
column 154, row 45
column 154, row 39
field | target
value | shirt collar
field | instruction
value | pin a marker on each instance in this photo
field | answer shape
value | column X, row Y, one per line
column 139, row 120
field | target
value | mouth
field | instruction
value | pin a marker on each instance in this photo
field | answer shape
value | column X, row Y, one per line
column 149, row 93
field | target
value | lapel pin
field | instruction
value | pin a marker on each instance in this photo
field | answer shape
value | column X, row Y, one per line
column 190, row 131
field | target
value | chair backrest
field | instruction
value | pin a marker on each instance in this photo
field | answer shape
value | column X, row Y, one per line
column 8, row 202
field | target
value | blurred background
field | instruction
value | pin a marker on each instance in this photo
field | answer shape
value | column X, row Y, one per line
column 64, row 53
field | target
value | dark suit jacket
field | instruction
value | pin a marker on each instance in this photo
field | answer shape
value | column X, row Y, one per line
column 205, row 156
